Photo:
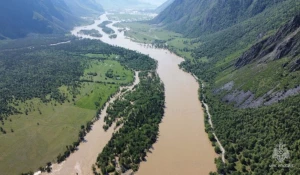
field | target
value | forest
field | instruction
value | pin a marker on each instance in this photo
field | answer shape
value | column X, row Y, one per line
column 41, row 70
column 253, row 134
column 139, row 113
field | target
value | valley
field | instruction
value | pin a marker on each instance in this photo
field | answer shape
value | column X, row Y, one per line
column 149, row 87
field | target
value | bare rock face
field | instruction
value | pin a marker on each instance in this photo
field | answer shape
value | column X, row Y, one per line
column 285, row 42
column 242, row 99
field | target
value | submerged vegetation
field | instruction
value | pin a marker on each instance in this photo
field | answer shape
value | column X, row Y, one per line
column 139, row 113
column 106, row 29
column 93, row 33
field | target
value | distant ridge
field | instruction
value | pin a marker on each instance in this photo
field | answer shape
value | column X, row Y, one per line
column 18, row 19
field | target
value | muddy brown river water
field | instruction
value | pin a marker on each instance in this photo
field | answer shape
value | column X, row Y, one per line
column 183, row 146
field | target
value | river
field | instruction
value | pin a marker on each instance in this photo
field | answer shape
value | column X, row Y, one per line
column 183, row 146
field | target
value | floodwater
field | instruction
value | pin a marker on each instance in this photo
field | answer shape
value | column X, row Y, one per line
column 183, row 146
column 80, row 162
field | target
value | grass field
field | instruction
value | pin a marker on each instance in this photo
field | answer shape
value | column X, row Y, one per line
column 33, row 140
column 146, row 33
column 120, row 74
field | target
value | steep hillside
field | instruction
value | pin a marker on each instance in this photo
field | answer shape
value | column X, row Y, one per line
column 267, row 72
column 197, row 17
column 164, row 6
column 19, row 18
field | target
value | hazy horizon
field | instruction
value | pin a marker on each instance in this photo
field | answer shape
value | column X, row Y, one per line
column 134, row 4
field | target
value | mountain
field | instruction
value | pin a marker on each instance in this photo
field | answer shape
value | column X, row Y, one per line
column 84, row 7
column 19, row 18
column 164, row 6
column 196, row 17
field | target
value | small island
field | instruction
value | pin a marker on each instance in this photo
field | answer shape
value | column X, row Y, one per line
column 93, row 33
column 106, row 29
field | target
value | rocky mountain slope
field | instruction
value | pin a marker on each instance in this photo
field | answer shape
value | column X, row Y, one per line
column 281, row 49
column 284, row 42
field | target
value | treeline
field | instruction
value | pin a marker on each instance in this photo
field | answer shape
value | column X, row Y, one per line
column 126, row 57
column 36, row 73
column 140, row 112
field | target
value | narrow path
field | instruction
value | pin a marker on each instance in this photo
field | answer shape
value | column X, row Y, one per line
column 211, row 124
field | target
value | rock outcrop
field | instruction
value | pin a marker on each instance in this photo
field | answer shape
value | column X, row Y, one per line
column 285, row 42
